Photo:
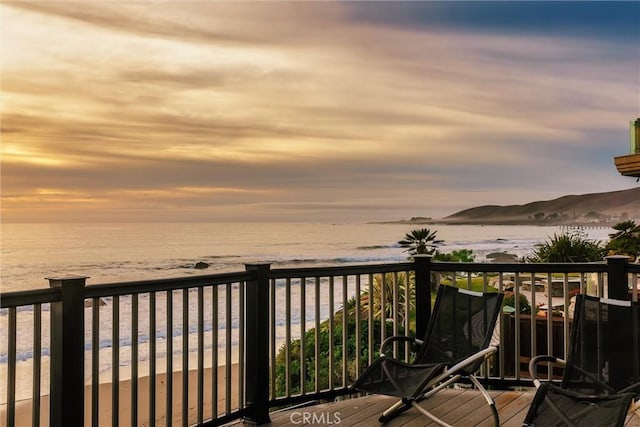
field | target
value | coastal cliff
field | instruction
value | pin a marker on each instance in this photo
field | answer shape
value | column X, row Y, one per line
column 595, row 209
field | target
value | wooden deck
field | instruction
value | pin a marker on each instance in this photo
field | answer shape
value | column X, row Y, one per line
column 457, row 407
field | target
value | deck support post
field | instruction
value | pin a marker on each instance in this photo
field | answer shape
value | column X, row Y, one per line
column 423, row 292
column 257, row 345
column 617, row 280
column 67, row 353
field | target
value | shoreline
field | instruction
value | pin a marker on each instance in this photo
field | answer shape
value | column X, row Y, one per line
column 24, row 407
column 506, row 222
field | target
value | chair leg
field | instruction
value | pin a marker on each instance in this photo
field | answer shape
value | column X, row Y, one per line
column 430, row 415
column 396, row 409
column 488, row 398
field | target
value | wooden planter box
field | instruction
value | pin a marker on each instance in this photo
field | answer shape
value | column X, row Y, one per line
column 511, row 360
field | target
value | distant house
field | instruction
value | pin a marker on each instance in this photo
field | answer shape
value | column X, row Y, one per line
column 629, row 165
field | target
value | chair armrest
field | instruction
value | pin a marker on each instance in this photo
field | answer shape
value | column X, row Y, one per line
column 397, row 338
column 540, row 359
column 634, row 388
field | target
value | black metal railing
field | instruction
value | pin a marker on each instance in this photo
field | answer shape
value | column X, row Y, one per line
column 205, row 350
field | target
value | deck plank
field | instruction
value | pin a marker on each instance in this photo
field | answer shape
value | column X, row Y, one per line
column 466, row 408
column 440, row 404
column 462, row 408
column 481, row 415
column 349, row 411
column 502, row 400
column 513, row 412
column 450, row 411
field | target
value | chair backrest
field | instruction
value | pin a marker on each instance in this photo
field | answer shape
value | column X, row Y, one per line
column 461, row 325
column 604, row 353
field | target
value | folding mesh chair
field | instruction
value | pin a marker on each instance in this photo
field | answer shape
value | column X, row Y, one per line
column 454, row 347
column 600, row 384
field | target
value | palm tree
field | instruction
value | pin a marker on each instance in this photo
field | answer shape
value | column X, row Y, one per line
column 383, row 308
column 626, row 240
column 421, row 241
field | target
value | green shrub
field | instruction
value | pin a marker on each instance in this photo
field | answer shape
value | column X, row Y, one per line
column 568, row 246
column 459, row 255
column 324, row 357
column 510, row 300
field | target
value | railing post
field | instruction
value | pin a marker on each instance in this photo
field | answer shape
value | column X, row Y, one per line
column 423, row 292
column 617, row 280
column 257, row 345
column 617, row 284
column 67, row 353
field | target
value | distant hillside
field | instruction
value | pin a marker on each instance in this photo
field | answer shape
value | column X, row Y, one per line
column 575, row 209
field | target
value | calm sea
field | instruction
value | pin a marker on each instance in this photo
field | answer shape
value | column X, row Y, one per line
column 124, row 252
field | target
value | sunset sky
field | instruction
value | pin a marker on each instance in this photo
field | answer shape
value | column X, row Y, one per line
column 310, row 111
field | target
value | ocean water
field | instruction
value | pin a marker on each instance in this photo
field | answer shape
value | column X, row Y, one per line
column 123, row 252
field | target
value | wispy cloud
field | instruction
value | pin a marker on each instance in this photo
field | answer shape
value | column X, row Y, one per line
column 250, row 111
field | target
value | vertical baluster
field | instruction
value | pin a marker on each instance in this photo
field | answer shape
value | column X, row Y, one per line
column 272, row 342
column 303, row 336
column 200, row 409
column 394, row 308
column 115, row 361
column 565, row 293
column 534, row 320
column 407, row 311
column 152, row 359
column 485, row 282
column 228, row 363
column 516, row 296
column 487, row 369
column 501, row 350
column 134, row 359
column 331, row 330
column 383, row 307
column 345, row 317
column 185, row 357
column 11, row 367
column 214, row 350
column 358, row 293
column 169, row 371
column 599, row 284
column 317, row 334
column 549, row 324
column 287, row 334
column 370, row 338
column 95, row 361
column 423, row 286
column 37, row 363
column 241, row 340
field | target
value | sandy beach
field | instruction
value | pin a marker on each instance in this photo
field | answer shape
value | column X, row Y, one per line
column 24, row 407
